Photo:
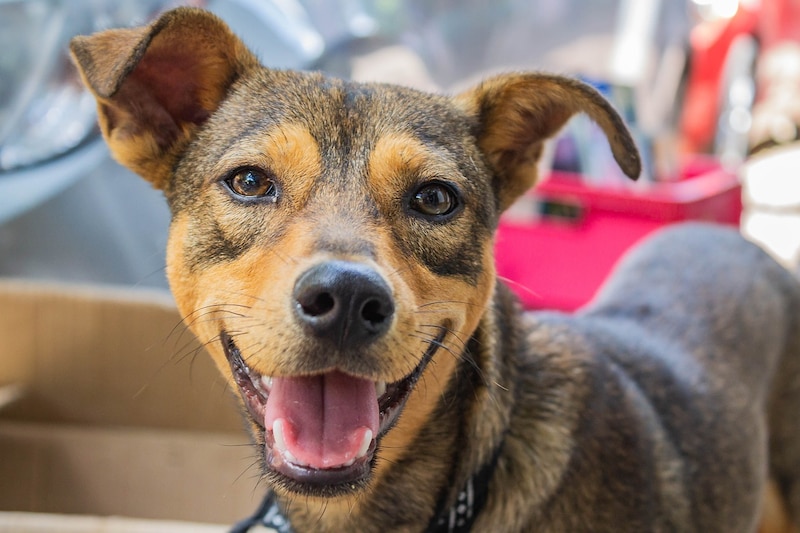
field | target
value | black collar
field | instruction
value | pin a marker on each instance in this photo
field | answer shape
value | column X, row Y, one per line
column 457, row 518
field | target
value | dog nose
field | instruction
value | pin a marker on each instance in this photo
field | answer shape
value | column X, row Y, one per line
column 343, row 302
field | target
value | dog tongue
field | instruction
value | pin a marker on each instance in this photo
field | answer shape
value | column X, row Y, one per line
column 324, row 418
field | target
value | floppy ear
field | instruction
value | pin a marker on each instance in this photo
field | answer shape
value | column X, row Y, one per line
column 516, row 113
column 156, row 84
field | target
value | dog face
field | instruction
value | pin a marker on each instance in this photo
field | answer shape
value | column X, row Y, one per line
column 320, row 253
column 331, row 242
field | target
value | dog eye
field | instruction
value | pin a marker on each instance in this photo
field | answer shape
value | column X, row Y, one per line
column 251, row 183
column 434, row 200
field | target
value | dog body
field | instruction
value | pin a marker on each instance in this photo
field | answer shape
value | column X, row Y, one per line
column 671, row 377
column 331, row 245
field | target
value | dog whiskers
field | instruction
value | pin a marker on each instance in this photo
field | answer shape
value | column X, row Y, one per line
column 462, row 354
column 447, row 302
column 240, row 293
column 189, row 320
column 519, row 286
column 254, row 464
column 451, row 332
column 432, row 340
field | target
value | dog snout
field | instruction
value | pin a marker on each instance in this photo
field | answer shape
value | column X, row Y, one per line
column 346, row 303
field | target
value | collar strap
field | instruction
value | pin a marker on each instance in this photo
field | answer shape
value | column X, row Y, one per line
column 458, row 518
column 268, row 514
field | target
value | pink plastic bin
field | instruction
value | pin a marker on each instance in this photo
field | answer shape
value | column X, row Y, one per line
column 557, row 245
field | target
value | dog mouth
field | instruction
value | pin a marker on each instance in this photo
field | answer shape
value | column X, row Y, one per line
column 321, row 431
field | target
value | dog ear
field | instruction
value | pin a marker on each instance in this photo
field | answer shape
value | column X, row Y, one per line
column 156, row 84
column 516, row 113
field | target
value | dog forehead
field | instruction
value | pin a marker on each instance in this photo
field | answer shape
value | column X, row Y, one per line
column 328, row 129
column 345, row 157
column 341, row 115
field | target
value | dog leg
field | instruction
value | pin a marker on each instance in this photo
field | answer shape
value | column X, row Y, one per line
column 774, row 515
column 785, row 429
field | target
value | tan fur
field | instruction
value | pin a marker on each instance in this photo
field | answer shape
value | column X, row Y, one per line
column 664, row 406
column 775, row 518
column 288, row 150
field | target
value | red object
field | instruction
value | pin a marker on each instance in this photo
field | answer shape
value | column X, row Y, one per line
column 779, row 22
column 556, row 247
column 710, row 43
column 771, row 22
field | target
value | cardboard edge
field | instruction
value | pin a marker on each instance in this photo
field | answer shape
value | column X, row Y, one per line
column 89, row 292
column 20, row 522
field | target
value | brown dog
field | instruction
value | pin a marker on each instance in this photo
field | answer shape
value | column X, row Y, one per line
column 332, row 245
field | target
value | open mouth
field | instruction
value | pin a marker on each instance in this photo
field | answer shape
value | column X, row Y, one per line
column 321, row 431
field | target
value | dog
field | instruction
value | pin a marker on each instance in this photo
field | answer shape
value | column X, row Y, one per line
column 331, row 245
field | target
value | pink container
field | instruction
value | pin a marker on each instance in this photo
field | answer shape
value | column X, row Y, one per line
column 557, row 245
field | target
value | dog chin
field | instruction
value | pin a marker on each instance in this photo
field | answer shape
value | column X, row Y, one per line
column 302, row 453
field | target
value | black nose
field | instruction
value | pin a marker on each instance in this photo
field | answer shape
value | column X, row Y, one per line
column 343, row 302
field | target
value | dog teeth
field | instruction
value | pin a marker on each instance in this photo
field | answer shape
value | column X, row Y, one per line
column 280, row 443
column 287, row 455
column 365, row 443
column 279, row 436
column 266, row 383
column 380, row 388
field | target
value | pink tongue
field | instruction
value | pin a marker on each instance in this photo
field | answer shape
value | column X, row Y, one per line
column 325, row 418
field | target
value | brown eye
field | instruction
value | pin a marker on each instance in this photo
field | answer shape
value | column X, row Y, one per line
column 434, row 200
column 251, row 183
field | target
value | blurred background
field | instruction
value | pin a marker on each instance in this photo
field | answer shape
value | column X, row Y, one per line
column 709, row 87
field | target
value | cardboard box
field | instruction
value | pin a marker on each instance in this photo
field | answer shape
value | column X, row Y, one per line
column 109, row 408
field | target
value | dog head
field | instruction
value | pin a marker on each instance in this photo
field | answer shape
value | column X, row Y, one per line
column 331, row 242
